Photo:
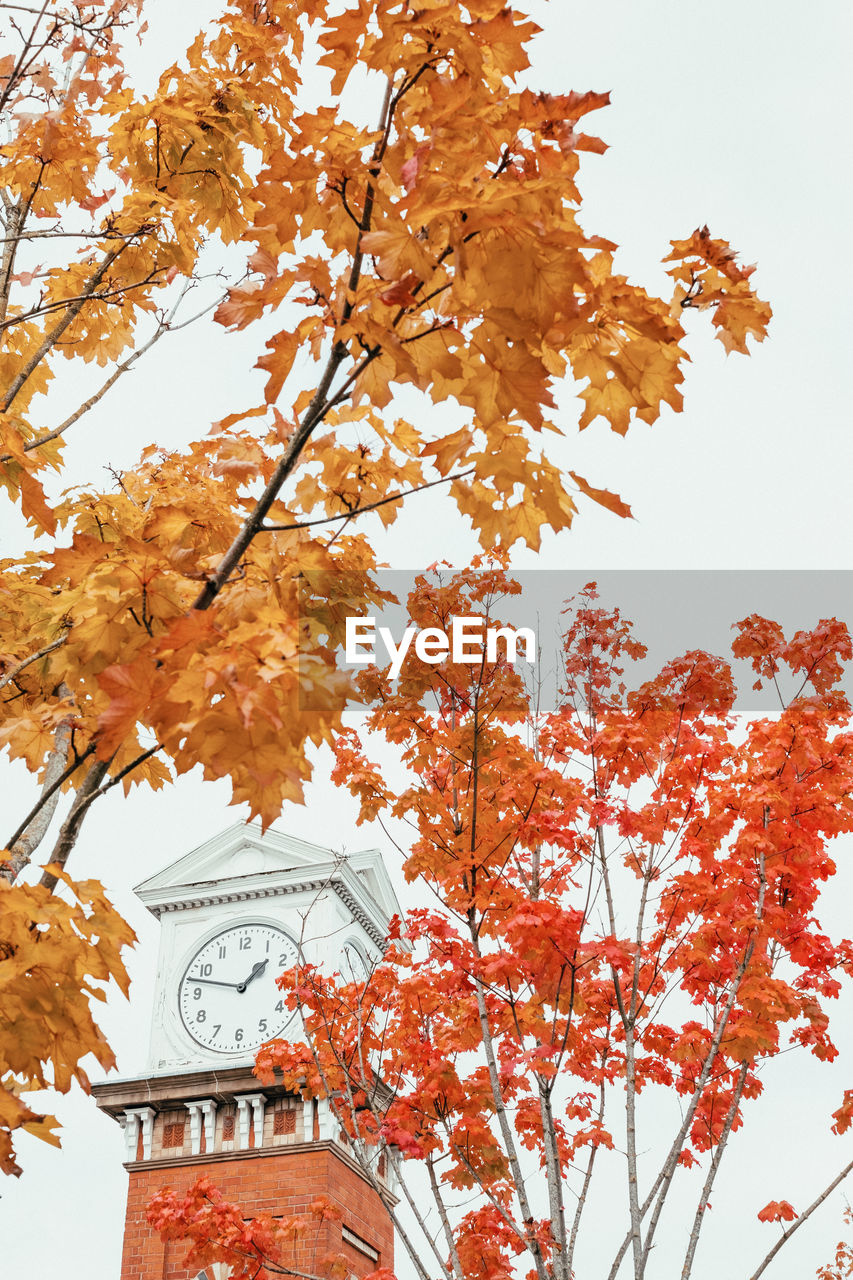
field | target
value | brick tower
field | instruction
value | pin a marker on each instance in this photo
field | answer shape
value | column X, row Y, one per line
column 231, row 913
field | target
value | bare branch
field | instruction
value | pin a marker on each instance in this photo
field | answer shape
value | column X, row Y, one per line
column 17, row 70
column 89, row 791
column 49, row 791
column 557, row 1211
column 719, row 1150
column 71, row 826
column 13, row 222
column 582, row 1198
column 795, row 1226
column 449, row 1238
column 418, row 1217
column 51, row 233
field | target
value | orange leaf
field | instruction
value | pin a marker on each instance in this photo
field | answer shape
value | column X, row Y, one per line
column 602, row 496
column 777, row 1211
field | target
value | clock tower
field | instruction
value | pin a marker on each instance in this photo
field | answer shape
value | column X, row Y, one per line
column 234, row 913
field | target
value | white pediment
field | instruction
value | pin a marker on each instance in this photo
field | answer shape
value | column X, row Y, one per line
column 240, row 850
column 245, row 859
column 372, row 875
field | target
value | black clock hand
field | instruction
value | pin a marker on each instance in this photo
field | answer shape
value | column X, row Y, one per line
column 256, row 970
column 211, row 982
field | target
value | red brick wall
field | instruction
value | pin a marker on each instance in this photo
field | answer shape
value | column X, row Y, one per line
column 283, row 1183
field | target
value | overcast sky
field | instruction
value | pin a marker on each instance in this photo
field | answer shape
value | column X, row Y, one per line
column 733, row 115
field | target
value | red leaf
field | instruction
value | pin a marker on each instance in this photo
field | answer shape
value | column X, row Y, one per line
column 777, row 1211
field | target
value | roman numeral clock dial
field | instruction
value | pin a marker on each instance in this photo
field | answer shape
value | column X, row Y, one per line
column 228, row 998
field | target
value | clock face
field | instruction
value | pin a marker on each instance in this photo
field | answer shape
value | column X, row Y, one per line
column 228, row 998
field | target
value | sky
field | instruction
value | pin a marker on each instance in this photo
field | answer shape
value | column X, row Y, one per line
column 732, row 115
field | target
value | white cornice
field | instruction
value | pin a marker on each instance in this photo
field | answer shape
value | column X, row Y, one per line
column 283, row 865
column 368, row 913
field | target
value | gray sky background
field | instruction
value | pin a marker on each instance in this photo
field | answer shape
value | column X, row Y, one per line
column 736, row 115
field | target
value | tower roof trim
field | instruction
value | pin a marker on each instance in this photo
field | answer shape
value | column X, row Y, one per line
column 243, row 863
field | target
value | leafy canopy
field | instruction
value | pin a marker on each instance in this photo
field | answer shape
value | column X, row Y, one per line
column 626, row 916
column 168, row 621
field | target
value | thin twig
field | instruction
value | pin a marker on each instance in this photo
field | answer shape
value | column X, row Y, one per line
column 360, row 511
column 165, row 326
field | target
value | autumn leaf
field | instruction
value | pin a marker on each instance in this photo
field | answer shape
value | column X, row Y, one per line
column 602, row 496
column 777, row 1211
column 708, row 275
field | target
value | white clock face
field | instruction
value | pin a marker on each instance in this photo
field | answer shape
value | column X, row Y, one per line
column 228, row 998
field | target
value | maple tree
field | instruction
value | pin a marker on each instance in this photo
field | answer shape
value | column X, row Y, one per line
column 171, row 620
column 624, row 928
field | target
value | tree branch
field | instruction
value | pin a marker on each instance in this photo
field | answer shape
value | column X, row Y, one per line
column 49, row 792
column 8, row 261
column 319, row 405
column 71, row 826
column 500, row 1110
column 164, row 326
column 90, row 791
column 449, row 1237
column 18, row 68
column 57, row 331
column 795, row 1226
column 581, row 1204
column 699, row 1217
column 59, row 304
column 33, row 657
column 664, row 1178
column 557, row 1211
column 32, row 831
column 370, row 506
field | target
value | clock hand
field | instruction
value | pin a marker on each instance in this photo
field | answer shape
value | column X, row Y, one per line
column 256, row 970
column 211, row 982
